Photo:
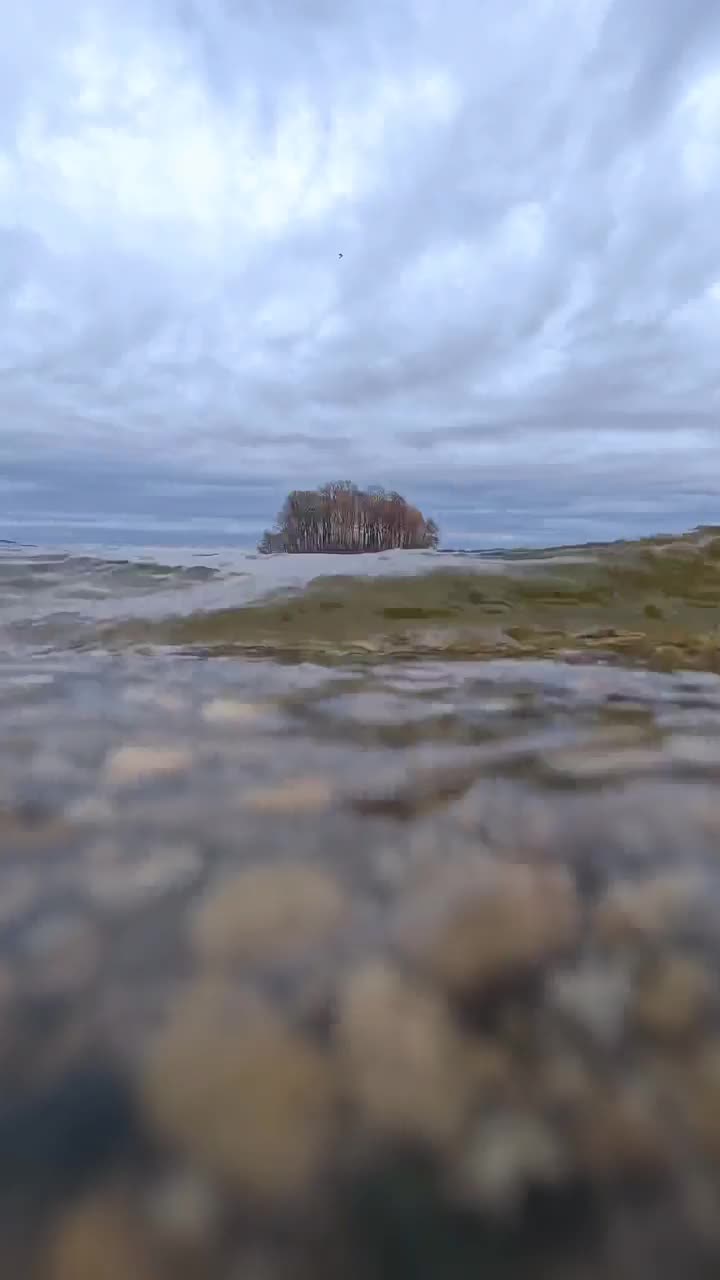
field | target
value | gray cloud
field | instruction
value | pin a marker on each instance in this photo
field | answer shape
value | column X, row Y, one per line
column 528, row 305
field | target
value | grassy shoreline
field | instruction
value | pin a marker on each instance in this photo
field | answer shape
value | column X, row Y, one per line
column 655, row 602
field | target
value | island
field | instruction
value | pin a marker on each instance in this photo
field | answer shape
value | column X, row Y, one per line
column 341, row 518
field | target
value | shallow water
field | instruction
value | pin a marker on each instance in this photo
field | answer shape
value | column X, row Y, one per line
column 93, row 584
column 361, row 928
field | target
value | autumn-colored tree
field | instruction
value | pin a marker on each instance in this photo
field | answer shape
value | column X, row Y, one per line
column 340, row 517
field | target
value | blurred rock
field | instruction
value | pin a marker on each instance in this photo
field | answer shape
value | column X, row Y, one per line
column 246, row 1098
column 266, row 912
column 648, row 910
column 504, row 1155
column 297, row 795
column 100, row 1239
column 404, row 1064
column 595, row 998
column 182, row 1207
column 129, row 765
column 490, row 922
column 673, row 998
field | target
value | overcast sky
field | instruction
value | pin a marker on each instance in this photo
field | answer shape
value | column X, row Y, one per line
column 523, row 333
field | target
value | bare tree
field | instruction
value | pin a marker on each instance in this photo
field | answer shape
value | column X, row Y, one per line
column 340, row 517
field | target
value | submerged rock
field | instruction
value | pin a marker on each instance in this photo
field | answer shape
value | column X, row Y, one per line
column 650, row 910
column 266, row 912
column 674, row 998
column 100, row 1239
column 296, row 796
column 244, row 1097
column 130, row 764
column 490, row 923
column 405, row 1066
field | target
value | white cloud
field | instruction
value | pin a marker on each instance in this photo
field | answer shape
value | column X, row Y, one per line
column 525, row 201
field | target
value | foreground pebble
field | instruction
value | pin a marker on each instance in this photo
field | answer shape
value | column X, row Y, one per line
column 269, row 911
column 491, row 922
column 673, row 998
column 242, row 1096
column 406, row 1066
column 648, row 910
column 101, row 1239
column 130, row 765
column 232, row 711
column 506, row 1154
column 297, row 796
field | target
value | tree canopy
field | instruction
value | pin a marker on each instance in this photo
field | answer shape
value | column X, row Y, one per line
column 342, row 518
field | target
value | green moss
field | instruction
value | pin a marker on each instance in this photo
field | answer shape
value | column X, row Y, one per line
column 415, row 612
column 654, row 602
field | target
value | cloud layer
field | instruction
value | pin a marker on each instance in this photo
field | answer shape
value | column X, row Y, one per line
column 523, row 328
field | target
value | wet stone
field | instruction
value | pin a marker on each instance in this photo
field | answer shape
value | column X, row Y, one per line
column 494, row 1075
column 296, row 796
column 129, row 765
column 673, row 999
column 564, row 1082
column 491, row 922
column 247, row 1100
column 595, row 998
column 182, row 1207
column 697, row 1093
column 232, row 711
column 622, row 1132
column 101, row 1239
column 504, row 1156
column 648, row 911
column 269, row 912
column 405, row 1066
column 601, row 764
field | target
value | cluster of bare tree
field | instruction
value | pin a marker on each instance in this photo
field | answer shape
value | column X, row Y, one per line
column 341, row 517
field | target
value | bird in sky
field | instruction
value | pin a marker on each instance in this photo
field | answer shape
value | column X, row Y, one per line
column 339, row 255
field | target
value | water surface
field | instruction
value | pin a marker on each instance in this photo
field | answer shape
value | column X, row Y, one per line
column 359, row 916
